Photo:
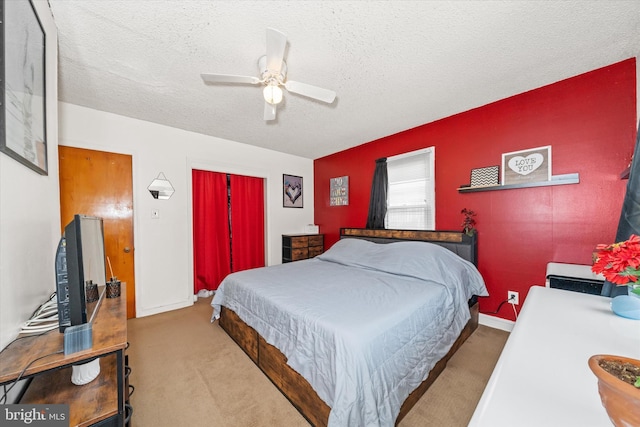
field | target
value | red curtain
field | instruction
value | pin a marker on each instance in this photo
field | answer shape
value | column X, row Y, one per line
column 247, row 222
column 217, row 251
column 211, row 254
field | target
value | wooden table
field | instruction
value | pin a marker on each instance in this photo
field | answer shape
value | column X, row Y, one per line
column 101, row 400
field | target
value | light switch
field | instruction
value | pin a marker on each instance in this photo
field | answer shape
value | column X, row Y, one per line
column 155, row 214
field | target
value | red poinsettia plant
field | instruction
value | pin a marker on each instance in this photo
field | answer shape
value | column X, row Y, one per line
column 619, row 263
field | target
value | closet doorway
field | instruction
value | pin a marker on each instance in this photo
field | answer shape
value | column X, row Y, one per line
column 228, row 226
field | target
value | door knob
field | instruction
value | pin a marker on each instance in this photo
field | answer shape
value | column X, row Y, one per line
column 127, row 250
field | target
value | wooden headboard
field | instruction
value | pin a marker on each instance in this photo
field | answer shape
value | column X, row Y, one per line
column 460, row 243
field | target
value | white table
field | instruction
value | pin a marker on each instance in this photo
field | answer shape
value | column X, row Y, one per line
column 542, row 377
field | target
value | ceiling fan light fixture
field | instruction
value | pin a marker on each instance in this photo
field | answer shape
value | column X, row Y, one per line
column 272, row 78
column 272, row 94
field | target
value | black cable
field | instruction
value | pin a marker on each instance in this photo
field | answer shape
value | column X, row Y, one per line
column 26, row 336
column 498, row 309
column 3, row 399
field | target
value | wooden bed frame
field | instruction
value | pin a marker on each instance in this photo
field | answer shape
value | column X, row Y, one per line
column 294, row 387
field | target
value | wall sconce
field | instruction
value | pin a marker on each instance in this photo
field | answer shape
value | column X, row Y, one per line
column 161, row 188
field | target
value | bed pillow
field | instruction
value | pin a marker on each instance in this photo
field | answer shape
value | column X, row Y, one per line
column 422, row 260
column 348, row 251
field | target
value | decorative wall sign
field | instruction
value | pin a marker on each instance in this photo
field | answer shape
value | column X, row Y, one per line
column 532, row 165
column 484, row 177
column 292, row 191
column 22, row 77
column 339, row 191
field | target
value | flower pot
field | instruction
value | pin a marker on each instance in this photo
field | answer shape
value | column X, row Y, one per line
column 620, row 399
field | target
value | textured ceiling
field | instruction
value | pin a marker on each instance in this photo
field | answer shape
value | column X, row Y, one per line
column 394, row 64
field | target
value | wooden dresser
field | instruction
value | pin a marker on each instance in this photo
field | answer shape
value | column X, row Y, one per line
column 301, row 246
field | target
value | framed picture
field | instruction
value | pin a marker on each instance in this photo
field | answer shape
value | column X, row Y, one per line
column 339, row 191
column 532, row 165
column 22, row 77
column 292, row 191
column 485, row 177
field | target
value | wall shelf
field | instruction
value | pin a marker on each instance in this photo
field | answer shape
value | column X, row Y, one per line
column 570, row 178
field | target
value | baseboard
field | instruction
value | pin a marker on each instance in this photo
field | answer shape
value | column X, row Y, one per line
column 496, row 322
column 161, row 309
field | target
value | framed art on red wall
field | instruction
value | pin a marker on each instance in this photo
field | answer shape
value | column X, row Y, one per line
column 485, row 177
column 339, row 191
column 524, row 166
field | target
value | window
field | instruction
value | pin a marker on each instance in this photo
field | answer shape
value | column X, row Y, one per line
column 411, row 198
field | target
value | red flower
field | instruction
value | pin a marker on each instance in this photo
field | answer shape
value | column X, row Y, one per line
column 619, row 263
column 469, row 224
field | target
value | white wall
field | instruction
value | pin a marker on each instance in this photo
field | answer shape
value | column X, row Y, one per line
column 163, row 247
column 30, row 213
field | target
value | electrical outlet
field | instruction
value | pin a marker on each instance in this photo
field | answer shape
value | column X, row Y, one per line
column 513, row 297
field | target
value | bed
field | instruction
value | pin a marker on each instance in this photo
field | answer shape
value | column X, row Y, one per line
column 355, row 336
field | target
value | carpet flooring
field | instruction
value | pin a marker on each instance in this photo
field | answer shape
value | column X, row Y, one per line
column 188, row 372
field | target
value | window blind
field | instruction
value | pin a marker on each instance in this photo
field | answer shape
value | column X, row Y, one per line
column 411, row 197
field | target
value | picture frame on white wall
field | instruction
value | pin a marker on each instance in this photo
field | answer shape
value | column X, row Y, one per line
column 292, row 196
column 22, row 78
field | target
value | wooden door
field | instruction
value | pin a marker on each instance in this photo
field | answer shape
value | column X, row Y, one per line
column 100, row 184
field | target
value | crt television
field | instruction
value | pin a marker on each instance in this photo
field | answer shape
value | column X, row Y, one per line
column 80, row 265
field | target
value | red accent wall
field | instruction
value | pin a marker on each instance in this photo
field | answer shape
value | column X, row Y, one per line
column 590, row 122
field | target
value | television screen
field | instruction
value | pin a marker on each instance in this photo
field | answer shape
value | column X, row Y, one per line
column 80, row 270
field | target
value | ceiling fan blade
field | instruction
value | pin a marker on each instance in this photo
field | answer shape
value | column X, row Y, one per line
column 324, row 95
column 276, row 44
column 269, row 111
column 228, row 78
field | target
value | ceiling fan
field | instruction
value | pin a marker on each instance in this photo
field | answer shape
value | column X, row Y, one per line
column 273, row 76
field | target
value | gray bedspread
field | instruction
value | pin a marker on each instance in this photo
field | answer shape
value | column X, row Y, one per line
column 364, row 323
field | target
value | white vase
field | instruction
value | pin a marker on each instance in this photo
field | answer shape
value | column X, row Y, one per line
column 86, row 372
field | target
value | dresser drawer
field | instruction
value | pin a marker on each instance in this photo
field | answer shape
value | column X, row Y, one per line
column 316, row 240
column 299, row 242
column 299, row 253
column 315, row 251
column 301, row 246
